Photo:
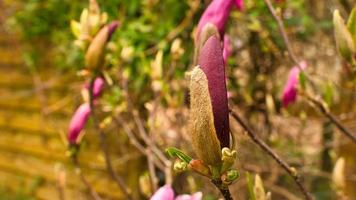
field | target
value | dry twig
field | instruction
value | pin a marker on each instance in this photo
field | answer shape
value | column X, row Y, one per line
column 290, row 170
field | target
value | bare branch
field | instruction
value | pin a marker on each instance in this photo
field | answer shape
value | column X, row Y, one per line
column 290, row 170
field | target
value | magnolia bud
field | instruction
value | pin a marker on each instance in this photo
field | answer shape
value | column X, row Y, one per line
column 199, row 167
column 258, row 188
column 94, row 56
column 204, row 138
column 343, row 38
column 228, row 158
column 212, row 64
column 78, row 122
column 338, row 175
column 229, row 177
column 180, row 166
column 351, row 25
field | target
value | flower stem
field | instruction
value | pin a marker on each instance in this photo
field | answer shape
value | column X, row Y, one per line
column 223, row 189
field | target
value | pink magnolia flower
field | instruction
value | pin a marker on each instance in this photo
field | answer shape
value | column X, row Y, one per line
column 166, row 193
column 290, row 89
column 212, row 63
column 217, row 13
column 227, row 48
column 98, row 87
column 78, row 122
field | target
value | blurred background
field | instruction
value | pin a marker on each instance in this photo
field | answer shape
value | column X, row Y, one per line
column 41, row 78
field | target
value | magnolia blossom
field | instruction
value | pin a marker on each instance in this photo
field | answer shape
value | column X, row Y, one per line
column 78, row 122
column 98, row 87
column 290, row 89
column 217, row 13
column 166, row 193
column 227, row 48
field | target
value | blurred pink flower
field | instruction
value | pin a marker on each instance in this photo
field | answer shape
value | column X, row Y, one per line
column 217, row 13
column 166, row 193
column 227, row 48
column 78, row 122
column 98, row 87
column 195, row 196
column 290, row 89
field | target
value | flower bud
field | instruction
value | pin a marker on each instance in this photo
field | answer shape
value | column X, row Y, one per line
column 212, row 63
column 290, row 88
column 258, row 188
column 351, row 25
column 78, row 122
column 229, row 177
column 204, row 138
column 180, row 166
column 343, row 38
column 228, row 158
column 199, row 167
column 338, row 175
column 94, row 56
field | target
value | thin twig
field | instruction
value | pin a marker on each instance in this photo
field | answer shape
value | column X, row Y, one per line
column 78, row 170
column 120, row 122
column 332, row 118
column 104, row 147
column 152, row 170
column 144, row 135
column 224, row 190
column 290, row 170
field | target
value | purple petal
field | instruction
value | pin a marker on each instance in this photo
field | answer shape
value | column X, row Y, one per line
column 212, row 63
column 112, row 27
column 216, row 13
column 78, row 122
column 239, row 4
column 290, row 89
column 164, row 193
column 98, row 87
column 227, row 48
column 195, row 196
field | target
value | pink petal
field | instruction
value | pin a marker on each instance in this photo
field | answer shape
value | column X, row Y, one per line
column 164, row 193
column 98, row 87
column 212, row 63
column 195, row 196
column 78, row 122
column 216, row 13
column 290, row 89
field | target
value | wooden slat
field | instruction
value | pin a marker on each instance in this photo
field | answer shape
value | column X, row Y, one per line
column 31, row 168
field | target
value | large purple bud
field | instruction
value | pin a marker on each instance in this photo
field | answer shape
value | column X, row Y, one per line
column 212, row 63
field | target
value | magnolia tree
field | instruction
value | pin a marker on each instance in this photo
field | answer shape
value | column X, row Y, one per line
column 211, row 136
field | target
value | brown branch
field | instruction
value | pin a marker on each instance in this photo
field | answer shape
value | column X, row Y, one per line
column 84, row 180
column 290, row 170
column 144, row 135
column 120, row 122
column 104, row 147
column 331, row 117
column 224, row 190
